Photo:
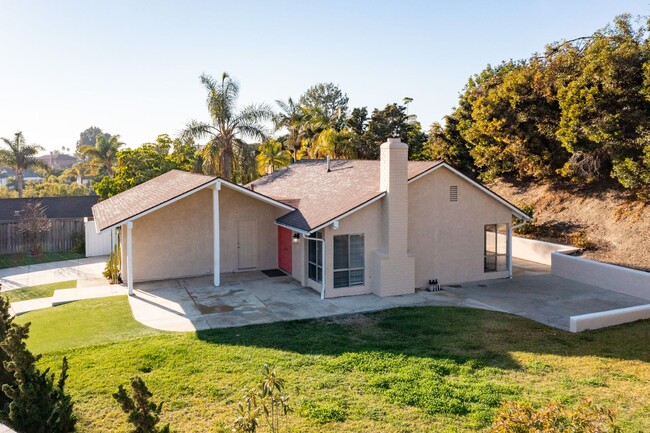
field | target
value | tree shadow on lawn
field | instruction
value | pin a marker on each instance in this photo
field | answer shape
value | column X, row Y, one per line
column 459, row 334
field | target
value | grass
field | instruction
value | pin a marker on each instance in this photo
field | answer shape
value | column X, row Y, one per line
column 20, row 259
column 40, row 291
column 405, row 370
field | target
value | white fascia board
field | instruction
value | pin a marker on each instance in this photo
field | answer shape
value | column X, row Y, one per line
column 297, row 230
column 161, row 205
column 514, row 209
column 256, row 195
column 350, row 212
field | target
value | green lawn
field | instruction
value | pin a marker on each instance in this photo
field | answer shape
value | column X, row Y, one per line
column 15, row 260
column 40, row 291
column 403, row 370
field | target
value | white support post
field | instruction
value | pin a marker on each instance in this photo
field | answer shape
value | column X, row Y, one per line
column 129, row 257
column 322, row 292
column 216, row 236
column 509, row 249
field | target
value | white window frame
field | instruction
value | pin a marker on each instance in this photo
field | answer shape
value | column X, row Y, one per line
column 318, row 245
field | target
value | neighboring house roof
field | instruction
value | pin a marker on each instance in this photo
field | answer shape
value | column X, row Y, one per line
column 56, row 207
column 321, row 197
column 58, row 160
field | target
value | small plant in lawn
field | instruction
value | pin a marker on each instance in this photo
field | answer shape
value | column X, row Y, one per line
column 265, row 400
column 516, row 417
column 36, row 403
column 142, row 413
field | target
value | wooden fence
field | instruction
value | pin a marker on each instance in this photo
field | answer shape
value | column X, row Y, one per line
column 60, row 237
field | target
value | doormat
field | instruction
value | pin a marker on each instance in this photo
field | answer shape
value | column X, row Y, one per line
column 274, row 273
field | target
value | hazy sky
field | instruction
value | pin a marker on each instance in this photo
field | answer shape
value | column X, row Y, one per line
column 132, row 67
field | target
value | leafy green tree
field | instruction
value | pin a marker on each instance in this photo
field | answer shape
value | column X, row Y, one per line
column 392, row 121
column 604, row 109
column 20, row 156
column 134, row 166
column 143, row 413
column 89, row 136
column 103, row 155
column 226, row 128
column 634, row 174
column 272, row 156
column 38, row 403
column 447, row 144
column 325, row 105
column 333, row 143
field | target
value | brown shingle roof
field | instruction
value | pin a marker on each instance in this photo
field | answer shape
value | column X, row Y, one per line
column 146, row 196
column 320, row 196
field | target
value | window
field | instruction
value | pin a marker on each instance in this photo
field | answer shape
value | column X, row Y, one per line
column 496, row 247
column 453, row 193
column 349, row 261
column 316, row 258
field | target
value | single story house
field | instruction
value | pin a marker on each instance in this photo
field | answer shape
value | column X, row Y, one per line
column 342, row 227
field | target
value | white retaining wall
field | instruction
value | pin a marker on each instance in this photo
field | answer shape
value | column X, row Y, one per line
column 98, row 244
column 617, row 278
column 603, row 319
column 537, row 251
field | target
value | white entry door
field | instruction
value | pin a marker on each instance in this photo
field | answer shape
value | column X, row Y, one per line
column 247, row 244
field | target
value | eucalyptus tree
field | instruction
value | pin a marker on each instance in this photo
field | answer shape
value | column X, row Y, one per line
column 227, row 127
column 20, row 156
column 103, row 155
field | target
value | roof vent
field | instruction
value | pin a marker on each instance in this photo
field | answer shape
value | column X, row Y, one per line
column 252, row 187
column 329, row 168
column 453, row 193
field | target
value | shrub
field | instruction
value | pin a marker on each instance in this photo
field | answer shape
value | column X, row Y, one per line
column 529, row 209
column 142, row 413
column 37, row 403
column 514, row 417
column 113, row 267
column 581, row 240
column 79, row 243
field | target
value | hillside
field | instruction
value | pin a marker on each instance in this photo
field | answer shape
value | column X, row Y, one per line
column 602, row 221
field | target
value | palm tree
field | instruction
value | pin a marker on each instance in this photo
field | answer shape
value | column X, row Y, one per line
column 291, row 117
column 20, row 156
column 227, row 126
column 103, row 154
column 272, row 156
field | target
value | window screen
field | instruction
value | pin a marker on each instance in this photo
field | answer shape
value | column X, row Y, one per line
column 349, row 261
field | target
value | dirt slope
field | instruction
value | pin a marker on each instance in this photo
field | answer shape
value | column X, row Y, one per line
column 603, row 222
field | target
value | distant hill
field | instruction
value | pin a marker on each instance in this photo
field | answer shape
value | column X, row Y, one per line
column 603, row 221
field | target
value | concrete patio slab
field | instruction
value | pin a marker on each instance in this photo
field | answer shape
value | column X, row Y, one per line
column 253, row 298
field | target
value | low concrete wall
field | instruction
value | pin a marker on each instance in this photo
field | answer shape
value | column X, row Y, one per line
column 604, row 319
column 617, row 278
column 537, row 251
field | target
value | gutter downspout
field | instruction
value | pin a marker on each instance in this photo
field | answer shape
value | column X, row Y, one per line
column 323, row 282
column 510, row 246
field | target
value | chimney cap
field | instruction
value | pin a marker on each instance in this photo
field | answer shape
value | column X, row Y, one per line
column 394, row 143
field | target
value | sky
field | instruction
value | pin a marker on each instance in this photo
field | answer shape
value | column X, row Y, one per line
column 132, row 67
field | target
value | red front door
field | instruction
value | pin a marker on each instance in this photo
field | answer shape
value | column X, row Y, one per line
column 284, row 249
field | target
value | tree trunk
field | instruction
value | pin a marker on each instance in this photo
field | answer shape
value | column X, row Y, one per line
column 227, row 162
column 19, row 182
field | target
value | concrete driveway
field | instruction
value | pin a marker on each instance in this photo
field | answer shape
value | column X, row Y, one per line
column 253, row 298
column 87, row 271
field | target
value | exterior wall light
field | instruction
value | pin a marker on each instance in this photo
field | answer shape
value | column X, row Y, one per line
column 296, row 238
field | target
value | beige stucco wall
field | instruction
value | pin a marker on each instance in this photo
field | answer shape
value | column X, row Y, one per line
column 446, row 237
column 177, row 240
column 174, row 241
column 235, row 206
column 366, row 221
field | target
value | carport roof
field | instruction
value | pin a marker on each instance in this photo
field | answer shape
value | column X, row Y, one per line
column 146, row 196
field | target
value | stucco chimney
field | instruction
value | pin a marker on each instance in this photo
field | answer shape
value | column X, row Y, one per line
column 394, row 180
column 393, row 272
